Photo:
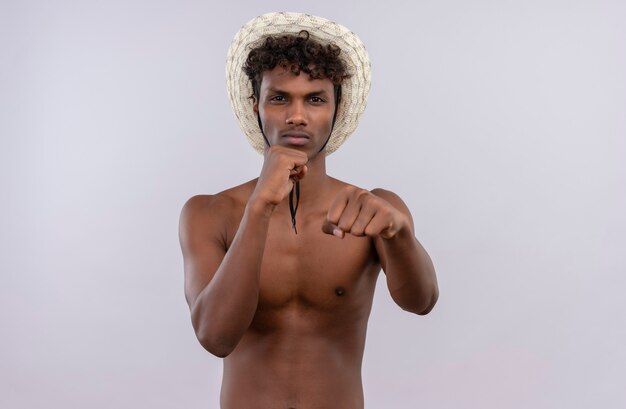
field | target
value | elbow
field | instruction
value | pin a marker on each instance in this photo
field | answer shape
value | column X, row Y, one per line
column 430, row 306
column 214, row 345
column 215, row 341
column 420, row 305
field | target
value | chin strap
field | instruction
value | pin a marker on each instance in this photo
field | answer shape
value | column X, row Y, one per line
column 337, row 98
column 296, row 186
column 292, row 209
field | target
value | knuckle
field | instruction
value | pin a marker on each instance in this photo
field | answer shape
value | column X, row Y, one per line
column 357, row 230
column 361, row 193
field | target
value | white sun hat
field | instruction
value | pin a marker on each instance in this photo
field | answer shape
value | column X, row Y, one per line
column 354, row 90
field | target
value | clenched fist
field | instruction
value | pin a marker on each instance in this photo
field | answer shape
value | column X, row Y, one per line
column 362, row 213
column 282, row 167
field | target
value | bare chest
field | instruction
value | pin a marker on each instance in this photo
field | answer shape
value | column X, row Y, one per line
column 315, row 270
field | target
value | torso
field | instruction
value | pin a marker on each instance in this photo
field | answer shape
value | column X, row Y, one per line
column 304, row 347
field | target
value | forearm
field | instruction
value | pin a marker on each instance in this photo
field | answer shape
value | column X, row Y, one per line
column 411, row 277
column 225, row 308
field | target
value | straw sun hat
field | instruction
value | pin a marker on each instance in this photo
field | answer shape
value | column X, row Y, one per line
column 354, row 90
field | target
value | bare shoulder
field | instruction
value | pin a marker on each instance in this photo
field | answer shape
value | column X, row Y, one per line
column 220, row 202
column 215, row 213
column 201, row 207
column 202, row 222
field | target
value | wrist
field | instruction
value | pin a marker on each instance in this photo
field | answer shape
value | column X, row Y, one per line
column 260, row 207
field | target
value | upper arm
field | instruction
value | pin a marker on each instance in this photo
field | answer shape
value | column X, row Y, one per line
column 397, row 203
column 201, row 234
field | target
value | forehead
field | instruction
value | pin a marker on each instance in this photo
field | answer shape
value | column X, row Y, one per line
column 283, row 79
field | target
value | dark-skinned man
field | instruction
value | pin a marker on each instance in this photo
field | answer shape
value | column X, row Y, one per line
column 280, row 271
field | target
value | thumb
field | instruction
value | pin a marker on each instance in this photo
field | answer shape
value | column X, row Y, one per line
column 331, row 228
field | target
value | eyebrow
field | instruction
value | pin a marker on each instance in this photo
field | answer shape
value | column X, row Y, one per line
column 309, row 94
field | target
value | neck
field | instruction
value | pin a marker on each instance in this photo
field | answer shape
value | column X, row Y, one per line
column 316, row 182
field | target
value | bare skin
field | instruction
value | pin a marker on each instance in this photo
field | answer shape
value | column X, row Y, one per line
column 288, row 313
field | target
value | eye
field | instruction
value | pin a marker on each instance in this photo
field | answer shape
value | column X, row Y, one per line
column 277, row 98
column 317, row 100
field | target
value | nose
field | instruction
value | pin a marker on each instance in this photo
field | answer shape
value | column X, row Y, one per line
column 296, row 116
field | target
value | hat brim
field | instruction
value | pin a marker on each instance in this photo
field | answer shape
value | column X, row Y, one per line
column 354, row 90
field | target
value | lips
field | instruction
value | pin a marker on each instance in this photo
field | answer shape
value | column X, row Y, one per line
column 297, row 138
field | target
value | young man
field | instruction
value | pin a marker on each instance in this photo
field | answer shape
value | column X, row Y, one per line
column 280, row 271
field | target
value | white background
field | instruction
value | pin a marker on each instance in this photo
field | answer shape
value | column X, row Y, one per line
column 502, row 124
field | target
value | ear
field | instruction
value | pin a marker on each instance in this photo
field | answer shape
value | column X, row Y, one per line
column 255, row 105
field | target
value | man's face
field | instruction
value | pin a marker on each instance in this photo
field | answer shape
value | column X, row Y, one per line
column 296, row 111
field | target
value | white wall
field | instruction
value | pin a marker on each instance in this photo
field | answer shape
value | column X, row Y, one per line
column 501, row 124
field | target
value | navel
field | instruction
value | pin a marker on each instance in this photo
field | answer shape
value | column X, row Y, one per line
column 340, row 291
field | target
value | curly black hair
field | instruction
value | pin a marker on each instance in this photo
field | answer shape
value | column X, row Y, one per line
column 296, row 52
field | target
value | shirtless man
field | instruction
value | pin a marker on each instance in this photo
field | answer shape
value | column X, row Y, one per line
column 288, row 310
